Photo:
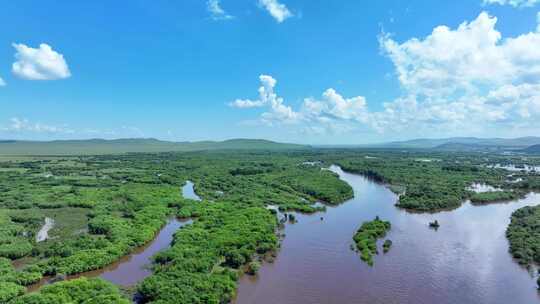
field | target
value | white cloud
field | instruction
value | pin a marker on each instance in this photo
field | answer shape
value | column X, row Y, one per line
column 335, row 105
column 2, row 82
column 514, row 3
column 450, row 60
column 279, row 11
column 278, row 112
column 455, row 79
column 41, row 63
column 315, row 114
column 464, row 64
column 216, row 11
column 266, row 94
column 538, row 22
column 23, row 128
column 462, row 81
column 246, row 103
column 24, row 125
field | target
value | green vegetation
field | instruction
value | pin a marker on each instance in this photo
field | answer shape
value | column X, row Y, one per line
column 79, row 291
column 319, row 184
column 9, row 290
column 203, row 264
column 366, row 238
column 253, row 267
column 12, row 227
column 523, row 233
column 494, row 196
column 435, row 181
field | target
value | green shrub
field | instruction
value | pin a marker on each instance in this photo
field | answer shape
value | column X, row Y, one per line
column 366, row 238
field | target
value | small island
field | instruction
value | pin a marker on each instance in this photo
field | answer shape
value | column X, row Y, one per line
column 523, row 234
column 435, row 224
column 387, row 245
column 366, row 238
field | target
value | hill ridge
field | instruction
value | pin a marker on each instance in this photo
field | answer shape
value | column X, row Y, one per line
column 133, row 145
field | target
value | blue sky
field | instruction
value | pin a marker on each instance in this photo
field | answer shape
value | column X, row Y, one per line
column 330, row 71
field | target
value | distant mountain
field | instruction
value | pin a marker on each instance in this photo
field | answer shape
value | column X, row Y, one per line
column 102, row 146
column 534, row 149
column 465, row 143
column 451, row 146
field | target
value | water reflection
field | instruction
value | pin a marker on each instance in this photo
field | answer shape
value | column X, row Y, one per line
column 510, row 167
column 465, row 261
column 482, row 188
column 188, row 191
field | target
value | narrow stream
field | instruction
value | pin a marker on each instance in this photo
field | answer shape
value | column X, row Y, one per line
column 465, row 261
column 188, row 191
column 134, row 267
column 131, row 268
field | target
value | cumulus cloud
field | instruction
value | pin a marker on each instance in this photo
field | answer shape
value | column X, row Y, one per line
column 216, row 11
column 41, row 63
column 316, row 115
column 279, row 11
column 514, row 3
column 468, row 78
column 333, row 106
column 450, row 60
column 278, row 112
column 455, row 81
column 455, row 74
column 2, row 82
column 266, row 94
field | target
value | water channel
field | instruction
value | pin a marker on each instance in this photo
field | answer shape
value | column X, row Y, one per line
column 465, row 261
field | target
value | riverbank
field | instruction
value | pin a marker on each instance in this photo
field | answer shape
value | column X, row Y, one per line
column 316, row 265
column 132, row 268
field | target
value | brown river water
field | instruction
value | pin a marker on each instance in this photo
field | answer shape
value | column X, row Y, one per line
column 465, row 261
column 133, row 268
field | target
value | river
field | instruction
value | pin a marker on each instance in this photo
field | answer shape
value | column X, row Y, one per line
column 133, row 268
column 465, row 261
column 188, row 191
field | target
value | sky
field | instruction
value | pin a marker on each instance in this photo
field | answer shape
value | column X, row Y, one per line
column 305, row 71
